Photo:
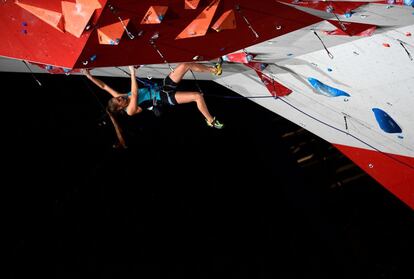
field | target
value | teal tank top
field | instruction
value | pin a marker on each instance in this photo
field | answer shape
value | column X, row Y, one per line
column 147, row 94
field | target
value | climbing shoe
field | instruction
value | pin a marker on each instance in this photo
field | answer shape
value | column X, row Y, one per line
column 218, row 69
column 215, row 124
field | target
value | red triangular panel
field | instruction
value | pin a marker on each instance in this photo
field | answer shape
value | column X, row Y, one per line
column 394, row 172
column 274, row 87
column 338, row 7
column 352, row 29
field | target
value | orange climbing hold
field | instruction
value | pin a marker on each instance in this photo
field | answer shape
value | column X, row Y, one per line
column 226, row 21
column 76, row 17
column 52, row 18
column 191, row 4
column 154, row 15
column 90, row 3
column 112, row 34
column 199, row 26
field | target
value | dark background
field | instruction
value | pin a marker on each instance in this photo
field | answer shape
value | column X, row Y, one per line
column 261, row 198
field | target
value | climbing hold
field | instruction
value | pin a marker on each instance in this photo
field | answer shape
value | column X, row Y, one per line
column 408, row 2
column 226, row 21
column 326, row 90
column 93, row 57
column 386, row 45
column 386, row 123
column 263, row 66
column 329, row 70
column 408, row 34
column 154, row 15
column 348, row 14
column 238, row 57
column 191, row 4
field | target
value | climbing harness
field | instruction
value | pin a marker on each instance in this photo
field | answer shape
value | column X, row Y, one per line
column 153, row 88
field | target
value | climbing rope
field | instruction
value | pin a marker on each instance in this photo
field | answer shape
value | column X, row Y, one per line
column 115, row 11
column 346, row 131
column 152, row 43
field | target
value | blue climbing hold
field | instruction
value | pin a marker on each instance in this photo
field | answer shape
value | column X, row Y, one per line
column 326, row 89
column 386, row 123
column 93, row 57
column 409, row 2
column 263, row 66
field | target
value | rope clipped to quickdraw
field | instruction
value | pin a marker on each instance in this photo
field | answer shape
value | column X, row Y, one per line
column 114, row 11
column 152, row 43
column 327, row 51
column 330, row 9
column 149, row 84
column 237, row 7
column 228, row 96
